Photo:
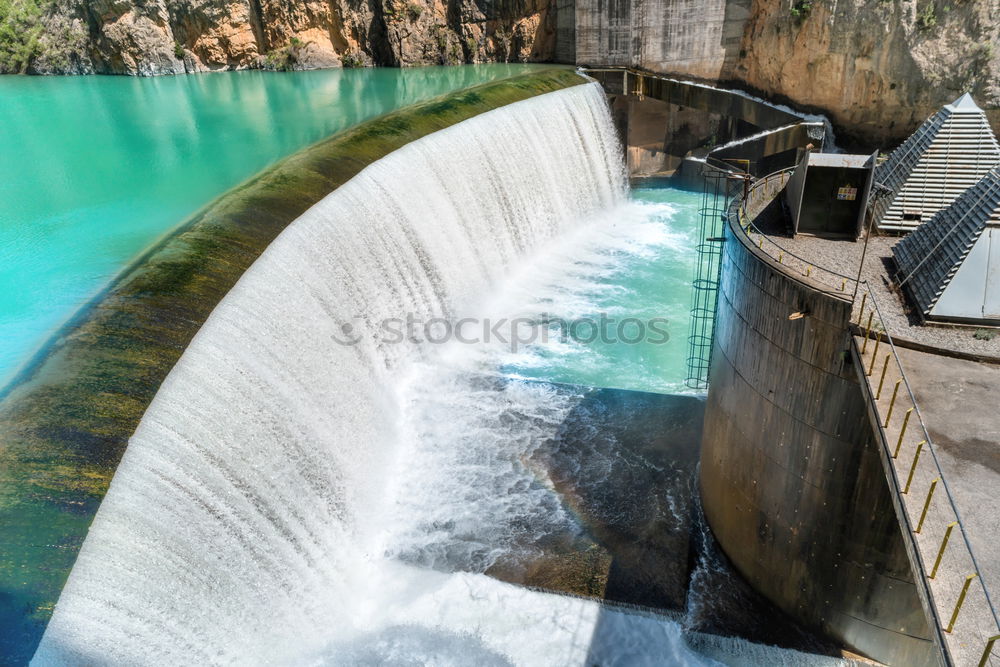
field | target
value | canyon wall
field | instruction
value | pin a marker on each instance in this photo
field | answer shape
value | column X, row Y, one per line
column 877, row 68
column 147, row 37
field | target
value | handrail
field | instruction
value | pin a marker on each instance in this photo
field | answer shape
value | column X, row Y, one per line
column 748, row 226
column 627, row 70
column 869, row 295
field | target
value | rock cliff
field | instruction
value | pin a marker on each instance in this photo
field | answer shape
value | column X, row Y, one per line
column 147, row 37
column 875, row 67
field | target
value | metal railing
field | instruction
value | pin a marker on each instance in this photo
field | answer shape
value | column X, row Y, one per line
column 959, row 596
column 763, row 192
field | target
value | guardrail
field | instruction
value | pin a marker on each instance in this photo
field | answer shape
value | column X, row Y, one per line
column 760, row 194
column 959, row 596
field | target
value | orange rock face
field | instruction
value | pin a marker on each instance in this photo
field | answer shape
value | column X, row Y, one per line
column 161, row 37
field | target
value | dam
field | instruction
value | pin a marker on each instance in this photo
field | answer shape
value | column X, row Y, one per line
column 292, row 458
column 570, row 366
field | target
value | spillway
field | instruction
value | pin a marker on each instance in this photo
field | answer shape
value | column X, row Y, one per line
column 305, row 489
column 239, row 519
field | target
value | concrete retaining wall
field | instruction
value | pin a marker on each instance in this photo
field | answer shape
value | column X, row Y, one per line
column 792, row 484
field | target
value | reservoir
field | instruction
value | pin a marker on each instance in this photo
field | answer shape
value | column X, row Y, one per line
column 95, row 169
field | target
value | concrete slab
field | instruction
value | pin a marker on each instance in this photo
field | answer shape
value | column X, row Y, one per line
column 958, row 400
column 955, row 478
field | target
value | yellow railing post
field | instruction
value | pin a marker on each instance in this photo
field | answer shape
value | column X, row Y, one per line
column 781, row 258
column 892, row 403
column 961, row 600
column 902, row 432
column 868, row 331
column 843, row 284
column 989, row 649
column 881, row 380
column 944, row 543
column 913, row 468
column 927, row 504
column 871, row 366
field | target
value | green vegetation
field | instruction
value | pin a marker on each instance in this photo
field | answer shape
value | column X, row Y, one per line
column 351, row 60
column 984, row 334
column 927, row 18
column 20, row 28
column 801, row 9
column 178, row 51
column 414, row 10
column 441, row 37
column 287, row 57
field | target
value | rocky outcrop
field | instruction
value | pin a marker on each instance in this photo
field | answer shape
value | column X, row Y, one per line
column 877, row 67
column 147, row 37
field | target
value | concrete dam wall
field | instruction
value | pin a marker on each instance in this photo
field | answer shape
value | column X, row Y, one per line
column 876, row 68
column 791, row 481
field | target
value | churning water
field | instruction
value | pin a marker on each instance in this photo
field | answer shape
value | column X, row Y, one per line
column 306, row 489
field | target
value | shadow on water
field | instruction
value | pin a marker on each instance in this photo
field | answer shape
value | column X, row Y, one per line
column 626, row 464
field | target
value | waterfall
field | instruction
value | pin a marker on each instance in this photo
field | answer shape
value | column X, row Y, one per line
column 245, row 523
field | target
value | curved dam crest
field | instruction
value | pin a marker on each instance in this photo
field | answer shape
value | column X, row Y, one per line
column 66, row 418
column 248, row 497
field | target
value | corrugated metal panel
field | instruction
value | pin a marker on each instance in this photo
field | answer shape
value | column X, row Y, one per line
column 948, row 154
column 930, row 257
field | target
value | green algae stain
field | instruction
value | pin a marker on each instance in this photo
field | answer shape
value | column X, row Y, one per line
column 66, row 419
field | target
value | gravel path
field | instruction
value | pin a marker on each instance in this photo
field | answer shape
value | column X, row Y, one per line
column 899, row 317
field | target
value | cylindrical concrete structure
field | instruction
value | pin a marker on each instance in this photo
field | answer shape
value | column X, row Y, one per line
column 791, row 481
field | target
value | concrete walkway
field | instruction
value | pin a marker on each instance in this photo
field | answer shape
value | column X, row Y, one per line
column 958, row 406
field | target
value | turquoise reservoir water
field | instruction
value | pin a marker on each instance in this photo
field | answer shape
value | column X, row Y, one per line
column 94, row 169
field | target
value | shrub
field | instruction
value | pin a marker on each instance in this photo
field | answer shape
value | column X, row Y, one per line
column 927, row 19
column 178, row 51
column 20, row 27
column 413, row 10
column 801, row 9
column 984, row 334
column 351, row 60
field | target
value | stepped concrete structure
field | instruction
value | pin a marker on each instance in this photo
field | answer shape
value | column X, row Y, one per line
column 946, row 155
column 950, row 265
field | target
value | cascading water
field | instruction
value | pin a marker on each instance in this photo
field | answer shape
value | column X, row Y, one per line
column 303, row 490
column 237, row 521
